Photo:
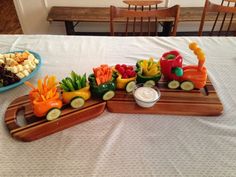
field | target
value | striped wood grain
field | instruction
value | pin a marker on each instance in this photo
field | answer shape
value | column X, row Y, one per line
column 39, row 127
column 172, row 102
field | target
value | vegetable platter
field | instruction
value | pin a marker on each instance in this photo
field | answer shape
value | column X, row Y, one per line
column 54, row 105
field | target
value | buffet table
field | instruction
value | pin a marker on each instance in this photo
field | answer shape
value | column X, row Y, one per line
column 116, row 144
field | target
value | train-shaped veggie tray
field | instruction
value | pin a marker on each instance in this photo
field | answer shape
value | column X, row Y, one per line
column 149, row 87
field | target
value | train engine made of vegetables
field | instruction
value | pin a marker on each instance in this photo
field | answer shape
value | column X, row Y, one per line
column 186, row 77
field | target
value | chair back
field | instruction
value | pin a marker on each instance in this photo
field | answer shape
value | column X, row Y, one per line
column 142, row 5
column 142, row 19
column 224, row 17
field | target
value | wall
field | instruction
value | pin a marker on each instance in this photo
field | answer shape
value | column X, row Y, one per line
column 33, row 14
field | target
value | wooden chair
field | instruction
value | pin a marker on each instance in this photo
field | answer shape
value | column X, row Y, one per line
column 143, row 17
column 142, row 5
column 224, row 17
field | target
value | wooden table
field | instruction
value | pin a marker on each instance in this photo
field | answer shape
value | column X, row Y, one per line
column 102, row 14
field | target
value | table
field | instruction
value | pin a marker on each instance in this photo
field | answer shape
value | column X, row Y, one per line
column 122, row 144
column 102, row 14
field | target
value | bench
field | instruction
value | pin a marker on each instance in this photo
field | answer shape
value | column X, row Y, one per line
column 68, row 15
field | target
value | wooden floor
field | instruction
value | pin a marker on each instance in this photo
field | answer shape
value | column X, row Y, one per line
column 9, row 23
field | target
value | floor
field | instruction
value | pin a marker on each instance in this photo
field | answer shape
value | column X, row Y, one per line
column 8, row 18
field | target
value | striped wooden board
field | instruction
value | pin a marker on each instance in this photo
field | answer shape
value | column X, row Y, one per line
column 36, row 128
column 173, row 102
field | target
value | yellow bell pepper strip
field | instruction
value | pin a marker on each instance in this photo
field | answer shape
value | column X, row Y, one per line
column 83, row 93
column 148, row 70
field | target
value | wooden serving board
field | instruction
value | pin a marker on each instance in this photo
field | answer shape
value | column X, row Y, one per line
column 172, row 102
column 39, row 127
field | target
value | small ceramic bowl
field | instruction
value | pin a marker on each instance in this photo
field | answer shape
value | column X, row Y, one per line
column 146, row 96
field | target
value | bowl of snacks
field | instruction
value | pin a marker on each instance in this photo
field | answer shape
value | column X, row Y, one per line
column 146, row 96
column 17, row 67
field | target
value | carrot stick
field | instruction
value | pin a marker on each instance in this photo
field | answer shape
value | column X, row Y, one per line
column 30, row 85
column 98, row 81
column 45, row 84
column 40, row 87
column 43, row 98
column 54, row 90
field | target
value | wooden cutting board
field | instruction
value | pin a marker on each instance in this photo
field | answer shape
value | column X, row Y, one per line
column 36, row 128
column 172, row 102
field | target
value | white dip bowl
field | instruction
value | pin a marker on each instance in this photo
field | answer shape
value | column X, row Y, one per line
column 146, row 96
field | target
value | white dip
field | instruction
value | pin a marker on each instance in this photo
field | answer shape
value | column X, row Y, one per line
column 146, row 94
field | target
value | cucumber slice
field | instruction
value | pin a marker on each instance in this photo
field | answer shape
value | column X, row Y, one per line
column 52, row 114
column 108, row 95
column 187, row 85
column 77, row 102
column 130, row 86
column 173, row 84
column 149, row 83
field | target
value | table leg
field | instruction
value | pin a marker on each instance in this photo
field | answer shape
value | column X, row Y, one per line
column 69, row 28
column 167, row 26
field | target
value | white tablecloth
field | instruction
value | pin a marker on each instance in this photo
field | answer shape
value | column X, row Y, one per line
column 121, row 144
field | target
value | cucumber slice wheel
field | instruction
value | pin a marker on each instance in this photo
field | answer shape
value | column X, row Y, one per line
column 187, row 85
column 52, row 114
column 130, row 86
column 173, row 84
column 149, row 83
column 108, row 95
column 77, row 102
